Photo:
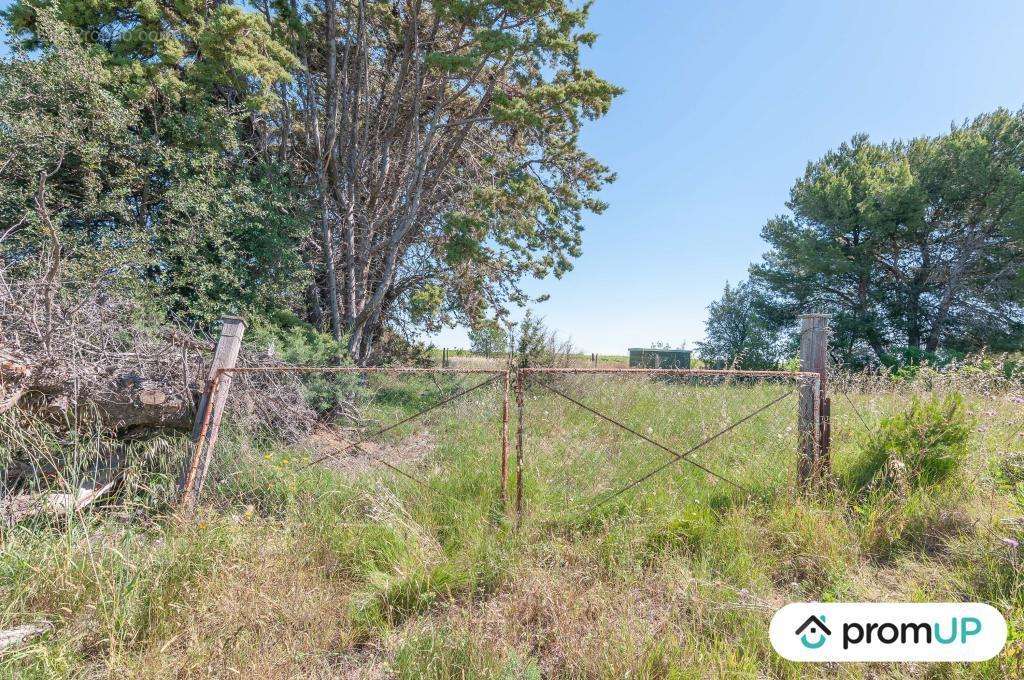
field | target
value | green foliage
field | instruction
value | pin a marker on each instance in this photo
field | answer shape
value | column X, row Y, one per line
column 68, row 160
column 737, row 334
column 425, row 304
column 535, row 343
column 224, row 239
column 164, row 207
column 488, row 337
column 906, row 359
column 185, row 50
column 187, row 159
column 911, row 244
column 296, row 342
column 922, row 446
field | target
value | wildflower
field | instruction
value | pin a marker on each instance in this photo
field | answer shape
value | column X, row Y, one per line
column 1012, row 542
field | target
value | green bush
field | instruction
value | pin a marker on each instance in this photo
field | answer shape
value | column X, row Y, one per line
column 908, row 359
column 296, row 342
column 922, row 446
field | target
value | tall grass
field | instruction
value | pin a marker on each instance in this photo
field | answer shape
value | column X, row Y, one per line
column 305, row 572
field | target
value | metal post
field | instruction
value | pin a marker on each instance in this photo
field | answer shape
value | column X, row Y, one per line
column 504, row 436
column 210, row 411
column 519, row 449
column 812, row 424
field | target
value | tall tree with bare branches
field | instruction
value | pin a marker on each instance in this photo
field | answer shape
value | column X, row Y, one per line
column 431, row 146
column 441, row 139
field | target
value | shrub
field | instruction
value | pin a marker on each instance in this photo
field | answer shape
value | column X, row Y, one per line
column 537, row 345
column 295, row 342
column 922, row 446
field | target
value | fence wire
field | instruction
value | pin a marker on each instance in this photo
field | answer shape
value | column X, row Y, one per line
column 604, row 439
column 391, row 426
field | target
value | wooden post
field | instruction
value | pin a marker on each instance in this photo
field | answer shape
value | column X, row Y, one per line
column 210, row 411
column 811, row 423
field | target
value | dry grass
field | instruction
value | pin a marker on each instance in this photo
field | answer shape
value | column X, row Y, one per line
column 320, row 574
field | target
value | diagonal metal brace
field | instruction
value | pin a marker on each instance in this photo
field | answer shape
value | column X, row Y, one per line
column 388, row 428
column 676, row 456
column 685, row 456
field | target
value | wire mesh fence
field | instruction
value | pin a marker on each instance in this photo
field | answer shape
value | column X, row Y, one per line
column 394, row 425
column 595, row 440
column 586, row 441
column 611, row 441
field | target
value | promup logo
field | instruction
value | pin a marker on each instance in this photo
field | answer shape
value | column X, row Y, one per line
column 888, row 632
column 818, row 631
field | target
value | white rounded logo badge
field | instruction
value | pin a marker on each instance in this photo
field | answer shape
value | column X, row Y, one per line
column 872, row 631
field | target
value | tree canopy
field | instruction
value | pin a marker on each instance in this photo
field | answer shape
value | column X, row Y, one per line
column 912, row 246
column 737, row 333
column 365, row 166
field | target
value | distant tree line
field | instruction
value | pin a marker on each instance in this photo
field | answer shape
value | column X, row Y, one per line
column 363, row 167
column 916, row 249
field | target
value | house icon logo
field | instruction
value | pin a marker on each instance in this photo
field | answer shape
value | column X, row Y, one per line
column 813, row 632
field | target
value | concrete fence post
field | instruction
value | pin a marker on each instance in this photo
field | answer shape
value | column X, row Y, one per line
column 812, row 421
column 210, row 411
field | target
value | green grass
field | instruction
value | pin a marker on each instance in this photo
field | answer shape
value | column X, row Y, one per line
column 303, row 572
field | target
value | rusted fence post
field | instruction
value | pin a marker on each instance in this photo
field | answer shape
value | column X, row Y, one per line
column 519, row 448
column 211, row 408
column 504, row 435
column 812, row 424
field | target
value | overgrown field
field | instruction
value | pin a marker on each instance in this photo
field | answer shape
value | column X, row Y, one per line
column 295, row 571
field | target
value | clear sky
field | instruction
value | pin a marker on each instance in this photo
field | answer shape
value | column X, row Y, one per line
column 725, row 103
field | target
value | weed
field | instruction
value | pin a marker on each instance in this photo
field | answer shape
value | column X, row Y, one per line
column 304, row 572
column 923, row 445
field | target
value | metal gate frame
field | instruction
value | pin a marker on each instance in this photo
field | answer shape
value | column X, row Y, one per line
column 215, row 395
column 813, row 412
column 807, row 382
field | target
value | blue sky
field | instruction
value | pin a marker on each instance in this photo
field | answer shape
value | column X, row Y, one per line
column 725, row 103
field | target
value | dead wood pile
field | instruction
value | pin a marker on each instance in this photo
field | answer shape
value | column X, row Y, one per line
column 77, row 354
